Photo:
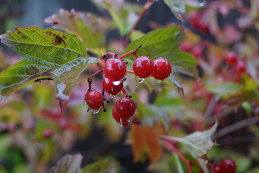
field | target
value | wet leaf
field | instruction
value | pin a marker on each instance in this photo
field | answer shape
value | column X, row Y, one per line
column 68, row 164
column 87, row 26
column 144, row 137
column 47, row 53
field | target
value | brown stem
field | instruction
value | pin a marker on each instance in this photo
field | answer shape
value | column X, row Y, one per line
column 145, row 8
column 94, row 74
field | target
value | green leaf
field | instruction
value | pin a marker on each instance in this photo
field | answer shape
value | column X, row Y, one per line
column 102, row 166
column 158, row 42
column 178, row 163
column 68, row 164
column 225, row 89
column 183, row 63
column 87, row 26
column 48, row 54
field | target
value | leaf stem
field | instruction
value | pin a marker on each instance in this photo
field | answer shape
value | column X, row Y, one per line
column 130, row 71
column 133, row 52
column 96, row 73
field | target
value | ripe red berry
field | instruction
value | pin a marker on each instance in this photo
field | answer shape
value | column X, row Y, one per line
column 125, row 107
column 162, row 68
column 119, row 119
column 94, row 99
column 197, row 21
column 114, row 69
column 226, row 166
column 47, row 133
column 231, row 58
column 143, row 66
column 240, row 67
column 112, row 87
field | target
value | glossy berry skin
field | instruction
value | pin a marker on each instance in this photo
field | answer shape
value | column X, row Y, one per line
column 125, row 107
column 240, row 67
column 231, row 58
column 110, row 87
column 114, row 69
column 143, row 66
column 94, row 99
column 226, row 166
column 162, row 68
column 123, row 121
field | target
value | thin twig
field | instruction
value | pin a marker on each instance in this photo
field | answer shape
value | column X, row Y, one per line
column 236, row 126
column 145, row 8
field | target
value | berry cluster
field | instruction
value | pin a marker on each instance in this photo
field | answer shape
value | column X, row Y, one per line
column 226, row 166
column 236, row 66
column 114, row 71
column 233, row 61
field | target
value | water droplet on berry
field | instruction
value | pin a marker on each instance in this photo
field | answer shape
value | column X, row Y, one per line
column 112, row 96
column 95, row 111
column 129, row 120
column 139, row 80
column 157, row 81
column 116, row 82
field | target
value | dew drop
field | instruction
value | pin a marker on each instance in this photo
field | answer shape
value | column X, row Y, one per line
column 116, row 82
column 139, row 80
column 157, row 81
column 121, row 125
column 95, row 111
column 112, row 96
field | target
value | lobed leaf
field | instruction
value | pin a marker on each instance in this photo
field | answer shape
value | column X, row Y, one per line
column 48, row 54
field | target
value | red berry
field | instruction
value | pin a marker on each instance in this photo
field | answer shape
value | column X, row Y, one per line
column 162, row 68
column 94, row 99
column 240, row 67
column 115, row 115
column 122, row 120
column 231, row 58
column 197, row 22
column 228, row 166
column 112, row 87
column 125, row 107
column 47, row 133
column 114, row 69
column 143, row 66
column 185, row 46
